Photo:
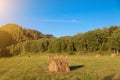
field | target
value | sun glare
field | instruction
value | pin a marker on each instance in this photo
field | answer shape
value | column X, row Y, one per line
column 4, row 4
column 11, row 7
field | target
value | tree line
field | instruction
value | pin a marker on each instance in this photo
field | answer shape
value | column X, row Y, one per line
column 98, row 40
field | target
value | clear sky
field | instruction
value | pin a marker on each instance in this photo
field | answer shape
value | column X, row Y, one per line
column 60, row 17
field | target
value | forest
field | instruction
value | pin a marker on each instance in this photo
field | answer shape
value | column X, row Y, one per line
column 15, row 40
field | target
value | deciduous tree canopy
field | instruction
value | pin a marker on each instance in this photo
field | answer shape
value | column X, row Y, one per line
column 15, row 40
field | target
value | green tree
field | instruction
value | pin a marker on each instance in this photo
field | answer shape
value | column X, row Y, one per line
column 114, row 40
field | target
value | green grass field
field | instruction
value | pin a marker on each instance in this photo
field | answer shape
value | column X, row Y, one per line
column 35, row 67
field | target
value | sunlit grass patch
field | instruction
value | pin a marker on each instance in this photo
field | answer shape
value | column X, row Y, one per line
column 83, row 67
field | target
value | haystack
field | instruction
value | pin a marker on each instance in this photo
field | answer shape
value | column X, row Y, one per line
column 113, row 54
column 98, row 55
column 59, row 64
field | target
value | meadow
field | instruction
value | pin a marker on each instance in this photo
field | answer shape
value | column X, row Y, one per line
column 35, row 67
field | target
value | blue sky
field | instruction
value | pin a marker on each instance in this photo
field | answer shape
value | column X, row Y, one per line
column 61, row 17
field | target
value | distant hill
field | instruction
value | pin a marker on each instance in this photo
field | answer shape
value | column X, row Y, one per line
column 13, row 33
column 20, row 34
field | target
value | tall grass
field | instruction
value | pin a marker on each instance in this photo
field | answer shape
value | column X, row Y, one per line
column 82, row 68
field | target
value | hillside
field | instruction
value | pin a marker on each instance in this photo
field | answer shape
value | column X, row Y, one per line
column 13, row 34
column 5, row 39
column 20, row 34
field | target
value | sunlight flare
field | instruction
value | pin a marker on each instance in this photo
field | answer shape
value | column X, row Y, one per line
column 5, row 6
column 11, row 7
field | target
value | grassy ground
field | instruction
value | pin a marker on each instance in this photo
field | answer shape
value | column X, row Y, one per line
column 82, row 68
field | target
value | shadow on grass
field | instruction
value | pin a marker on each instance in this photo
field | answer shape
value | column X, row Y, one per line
column 76, row 67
